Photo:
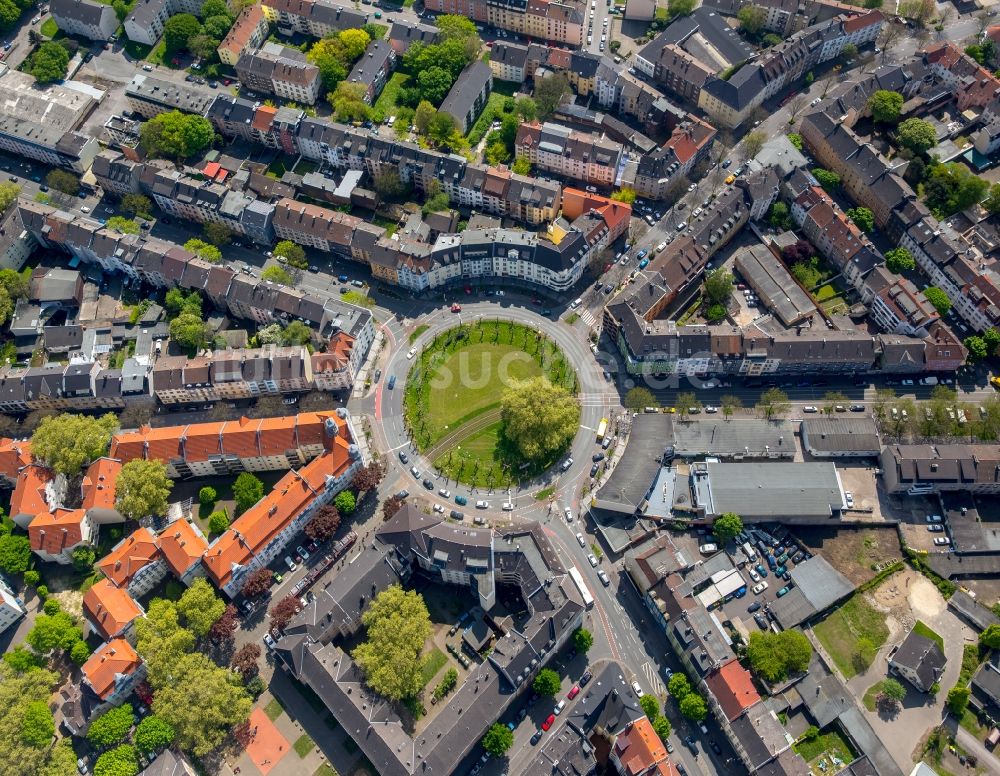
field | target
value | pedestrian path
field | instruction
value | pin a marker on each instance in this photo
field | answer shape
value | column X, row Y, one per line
column 586, row 316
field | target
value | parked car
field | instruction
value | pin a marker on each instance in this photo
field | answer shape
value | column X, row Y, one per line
column 941, row 541
column 708, row 549
column 548, row 722
column 587, row 676
column 403, row 457
column 456, row 515
column 935, row 528
column 603, row 576
column 592, row 559
column 755, row 606
column 482, row 504
column 429, row 484
column 759, row 588
column 559, row 706
column 637, row 689
column 573, row 692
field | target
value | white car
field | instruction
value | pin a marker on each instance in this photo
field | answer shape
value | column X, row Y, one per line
column 412, row 352
column 711, row 410
column 444, row 493
column 810, row 409
column 637, row 689
column 593, row 560
column 933, row 518
column 507, row 506
column 941, row 541
column 568, row 513
column 708, row 549
column 754, row 576
column 482, row 504
column 760, row 587
column 559, row 707
column 438, row 508
column 581, row 540
column 849, row 499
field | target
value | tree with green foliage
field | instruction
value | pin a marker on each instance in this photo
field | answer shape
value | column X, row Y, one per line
column 521, row 166
column 293, row 253
column 67, row 442
column 917, row 135
column 727, row 526
column 796, row 140
column 583, row 640
column 26, row 732
column 718, row 286
column 176, row 135
column 218, row 522
column 121, row 761
column 277, row 274
column 892, row 692
column 950, row 187
column 203, row 250
column 863, row 218
column 498, row 739
column 79, row 652
column 434, row 84
column 9, row 14
column 345, row 502
column 111, row 727
column 625, row 195
column 38, row 726
column 639, row 398
column 48, row 63
column 676, row 8
column 217, row 234
column 775, row 656
column 899, row 260
column 213, row 8
column 200, row 607
column 991, row 203
column 137, row 205
column 178, row 30
column 207, row 496
column 329, row 57
column 63, row 181
column 650, row 705
column 122, row 225
column 51, row 632
column 348, row 101
column 22, row 659
column 780, row 216
column 678, row 686
column 958, row 699
column 753, row 143
column 247, row 490
column 8, row 195
column 190, row 331
column 885, row 106
column 552, row 89
column 938, row 298
column 15, row 553
column 143, row 489
column 496, row 154
column 547, row 683
column 32, row 578
column 83, row 557
column 693, row 707
column 773, row 402
column 830, row 181
column 161, row 641
column 976, row 346
column 538, row 418
column 397, row 627
column 752, row 19
column 990, row 637
column 661, row 726
column 177, row 302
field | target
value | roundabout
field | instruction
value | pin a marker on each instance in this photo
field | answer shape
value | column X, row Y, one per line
column 454, row 400
column 476, row 411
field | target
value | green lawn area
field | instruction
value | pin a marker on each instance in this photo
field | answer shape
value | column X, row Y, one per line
column 326, row 770
column 825, row 292
column 415, row 334
column 158, row 55
column 304, row 745
column 476, row 461
column 853, row 634
column 544, row 493
column 49, row 27
column 871, row 696
column 493, row 110
column 386, row 102
column 433, row 662
column 821, row 748
column 970, row 722
column 273, row 709
column 922, row 629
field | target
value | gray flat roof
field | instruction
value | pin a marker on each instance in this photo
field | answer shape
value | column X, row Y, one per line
column 735, row 438
column 855, row 435
column 779, row 291
column 818, row 586
column 630, row 482
column 805, row 492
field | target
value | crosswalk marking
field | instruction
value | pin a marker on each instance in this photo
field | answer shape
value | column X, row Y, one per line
column 587, row 317
column 655, row 683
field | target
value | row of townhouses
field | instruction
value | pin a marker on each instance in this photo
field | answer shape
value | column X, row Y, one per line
column 559, row 21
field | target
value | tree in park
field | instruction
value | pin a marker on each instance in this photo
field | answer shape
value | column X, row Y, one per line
column 434, row 84
column 245, row 660
column 293, row 252
column 324, row 523
column 917, row 135
column 423, row 115
column 938, row 298
column 22, row 659
column 176, row 135
column 218, row 522
column 178, row 30
column 546, row 683
column 32, row 578
column 68, row 442
column 773, row 402
column 282, row 612
column 958, row 699
column 539, row 418
column 345, row 502
column 48, row 63
column 154, row 734
column 829, row 180
column 638, row 398
column 143, row 489
column 15, row 553
column 583, row 640
column 727, row 526
column 63, row 181
column 990, row 637
column 718, row 286
column 678, row 686
column 247, row 490
column 397, row 627
column 650, row 705
column 200, row 607
column 79, row 652
column 885, row 106
column 863, row 218
column 258, row 582
column 111, row 727
column 899, row 260
column 161, row 640
column 549, row 93
column 693, row 707
column 892, row 693
column 25, row 731
column 775, row 656
column 498, row 739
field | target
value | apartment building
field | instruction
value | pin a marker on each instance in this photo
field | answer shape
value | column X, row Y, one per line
column 509, row 61
column 468, row 95
column 150, row 95
column 145, row 23
column 248, row 32
column 638, row 750
column 374, row 68
column 558, row 21
column 655, row 175
column 11, row 607
column 280, row 70
column 111, row 612
column 576, row 155
column 898, row 307
column 316, row 18
column 402, row 35
column 110, row 675
column 85, row 18
column 135, row 563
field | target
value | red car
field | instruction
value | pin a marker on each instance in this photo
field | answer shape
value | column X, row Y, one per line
column 468, row 290
column 548, row 722
column 456, row 308
column 574, row 692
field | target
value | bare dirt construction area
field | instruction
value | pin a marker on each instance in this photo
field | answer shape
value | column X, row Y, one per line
column 906, row 597
column 853, row 551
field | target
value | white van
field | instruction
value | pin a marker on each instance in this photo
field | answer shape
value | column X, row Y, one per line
column 290, row 563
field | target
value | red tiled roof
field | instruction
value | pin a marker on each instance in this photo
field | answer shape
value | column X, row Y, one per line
column 13, row 456
column 639, row 748
column 132, row 554
column 182, row 546
column 29, row 491
column 99, row 484
column 862, row 20
column 109, row 608
column 733, row 687
column 263, row 118
column 116, row 657
column 55, row 531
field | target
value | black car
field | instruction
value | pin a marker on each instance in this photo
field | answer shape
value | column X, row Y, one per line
column 594, row 469
column 715, row 746
column 429, row 485
column 754, row 607
column 404, row 457
column 402, row 494
column 536, row 736
column 760, row 620
column 586, row 678
column 597, row 457
column 857, row 408
column 690, row 744
column 456, row 515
